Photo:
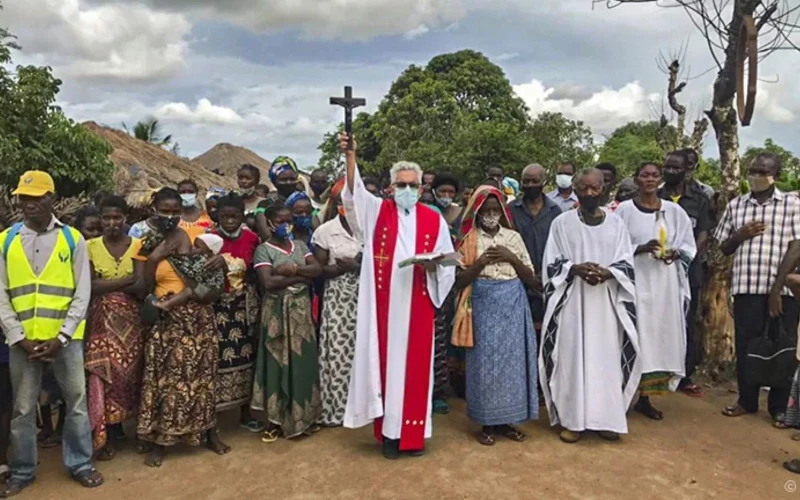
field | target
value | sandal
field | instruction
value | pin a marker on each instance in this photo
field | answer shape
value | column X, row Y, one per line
column 736, row 410
column 105, row 454
column 51, row 441
column 513, row 434
column 792, row 466
column 692, row 390
column 778, row 422
column 271, row 436
column 89, row 478
column 440, row 407
column 486, row 439
column 14, row 487
column 5, row 473
column 312, row 429
column 255, row 426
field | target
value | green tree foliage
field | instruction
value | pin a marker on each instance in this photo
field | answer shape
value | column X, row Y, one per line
column 149, row 130
column 631, row 145
column 459, row 113
column 555, row 139
column 35, row 134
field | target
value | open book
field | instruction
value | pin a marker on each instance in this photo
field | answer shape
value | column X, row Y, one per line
column 446, row 259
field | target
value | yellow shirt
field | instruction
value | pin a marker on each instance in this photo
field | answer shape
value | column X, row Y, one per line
column 106, row 265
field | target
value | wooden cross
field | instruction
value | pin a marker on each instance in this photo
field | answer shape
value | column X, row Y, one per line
column 349, row 103
column 382, row 258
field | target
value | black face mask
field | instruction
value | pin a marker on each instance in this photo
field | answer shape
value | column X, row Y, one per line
column 166, row 223
column 673, row 178
column 286, row 190
column 318, row 188
column 590, row 203
column 532, row 192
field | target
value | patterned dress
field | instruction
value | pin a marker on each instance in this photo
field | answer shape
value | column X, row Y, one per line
column 114, row 346
column 178, row 402
column 236, row 315
column 286, row 385
column 337, row 335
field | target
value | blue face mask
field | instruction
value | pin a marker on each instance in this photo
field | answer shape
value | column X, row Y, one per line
column 302, row 221
column 283, row 231
column 406, row 198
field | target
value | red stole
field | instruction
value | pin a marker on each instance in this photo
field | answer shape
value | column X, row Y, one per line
column 421, row 326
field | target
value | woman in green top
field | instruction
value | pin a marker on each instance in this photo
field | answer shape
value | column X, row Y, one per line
column 286, row 384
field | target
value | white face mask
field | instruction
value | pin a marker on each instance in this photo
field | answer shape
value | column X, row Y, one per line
column 189, row 199
column 564, row 181
column 759, row 183
column 406, row 198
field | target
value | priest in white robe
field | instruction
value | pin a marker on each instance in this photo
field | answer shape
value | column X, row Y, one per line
column 391, row 381
column 661, row 263
column 588, row 364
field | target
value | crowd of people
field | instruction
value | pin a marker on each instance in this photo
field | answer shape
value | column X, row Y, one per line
column 360, row 301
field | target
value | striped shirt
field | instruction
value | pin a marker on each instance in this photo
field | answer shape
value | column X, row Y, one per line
column 756, row 261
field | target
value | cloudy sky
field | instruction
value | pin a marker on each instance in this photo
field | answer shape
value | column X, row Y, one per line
column 258, row 73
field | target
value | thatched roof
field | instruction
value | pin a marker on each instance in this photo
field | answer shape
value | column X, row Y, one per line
column 143, row 167
column 227, row 158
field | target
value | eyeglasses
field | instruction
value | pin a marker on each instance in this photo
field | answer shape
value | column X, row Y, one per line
column 403, row 185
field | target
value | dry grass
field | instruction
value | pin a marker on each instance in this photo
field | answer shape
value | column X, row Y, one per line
column 65, row 208
column 227, row 158
column 152, row 167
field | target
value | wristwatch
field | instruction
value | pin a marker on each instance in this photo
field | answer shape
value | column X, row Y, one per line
column 63, row 339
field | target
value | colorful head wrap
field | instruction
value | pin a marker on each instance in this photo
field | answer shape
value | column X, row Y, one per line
column 295, row 197
column 510, row 187
column 476, row 202
column 280, row 165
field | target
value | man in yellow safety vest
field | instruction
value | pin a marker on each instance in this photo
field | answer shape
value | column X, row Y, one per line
column 45, row 287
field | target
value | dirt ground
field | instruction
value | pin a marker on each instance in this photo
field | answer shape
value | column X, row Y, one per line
column 694, row 453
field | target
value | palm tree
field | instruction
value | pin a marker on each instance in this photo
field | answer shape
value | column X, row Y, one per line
column 149, row 130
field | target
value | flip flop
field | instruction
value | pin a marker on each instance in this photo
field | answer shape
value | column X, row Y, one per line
column 513, row 434
column 692, row 390
column 271, row 436
column 486, row 439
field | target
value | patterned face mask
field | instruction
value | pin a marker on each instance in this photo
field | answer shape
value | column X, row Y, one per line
column 490, row 221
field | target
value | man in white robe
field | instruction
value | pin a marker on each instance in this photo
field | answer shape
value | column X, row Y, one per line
column 391, row 381
column 588, row 364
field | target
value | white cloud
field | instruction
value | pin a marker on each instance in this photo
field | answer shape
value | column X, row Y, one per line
column 204, row 112
column 114, row 41
column 416, row 32
column 351, row 19
column 769, row 103
column 604, row 110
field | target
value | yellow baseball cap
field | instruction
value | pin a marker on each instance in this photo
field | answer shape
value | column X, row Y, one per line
column 35, row 183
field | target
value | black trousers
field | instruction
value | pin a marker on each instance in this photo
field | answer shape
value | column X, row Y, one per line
column 694, row 344
column 750, row 314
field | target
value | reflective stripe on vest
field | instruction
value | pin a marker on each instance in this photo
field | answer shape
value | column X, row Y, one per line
column 42, row 302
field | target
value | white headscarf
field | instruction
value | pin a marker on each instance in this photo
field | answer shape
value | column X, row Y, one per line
column 213, row 242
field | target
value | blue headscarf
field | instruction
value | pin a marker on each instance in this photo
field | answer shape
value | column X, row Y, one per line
column 295, row 197
column 280, row 165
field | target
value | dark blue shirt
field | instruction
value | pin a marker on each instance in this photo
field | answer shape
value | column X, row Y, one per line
column 534, row 232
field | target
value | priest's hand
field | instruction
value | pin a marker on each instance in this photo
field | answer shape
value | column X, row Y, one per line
column 670, row 256
column 343, row 140
column 431, row 265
